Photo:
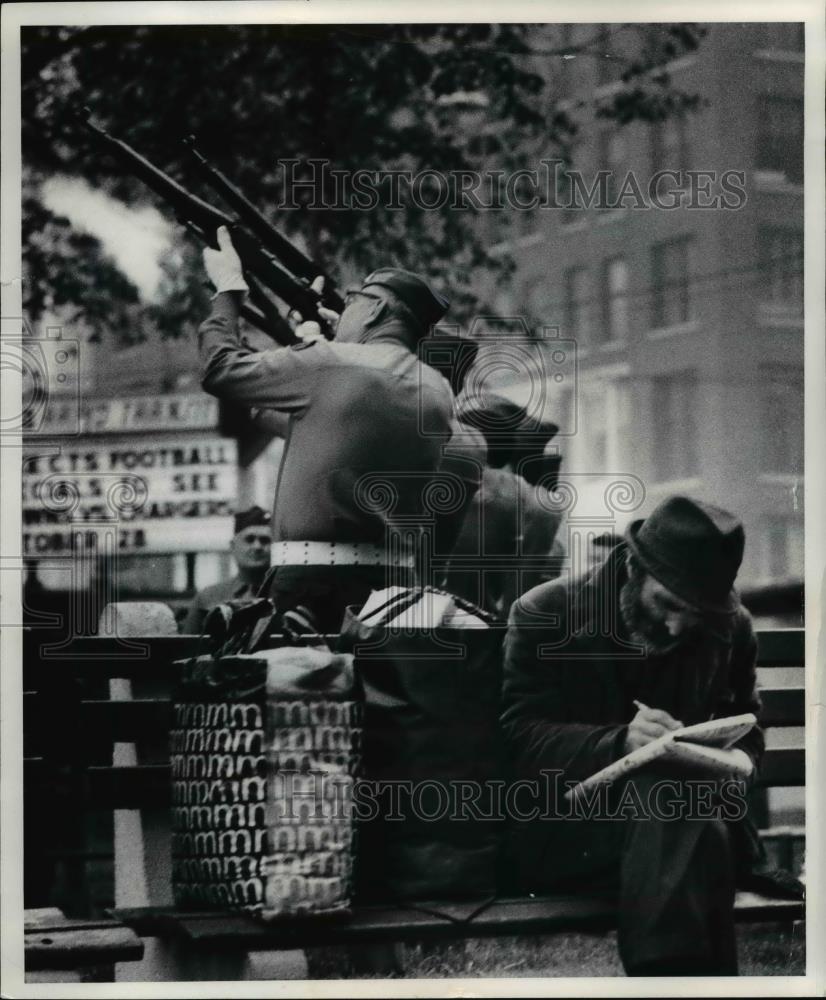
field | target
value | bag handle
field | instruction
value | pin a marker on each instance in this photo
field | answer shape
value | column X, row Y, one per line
column 395, row 605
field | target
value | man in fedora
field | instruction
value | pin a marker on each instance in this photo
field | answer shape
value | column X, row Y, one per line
column 653, row 639
column 367, row 422
column 250, row 548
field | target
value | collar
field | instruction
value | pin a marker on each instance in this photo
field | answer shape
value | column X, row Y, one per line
column 393, row 331
column 595, row 598
column 596, row 605
column 240, row 587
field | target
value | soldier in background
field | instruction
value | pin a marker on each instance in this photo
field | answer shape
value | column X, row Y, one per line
column 250, row 548
column 505, row 523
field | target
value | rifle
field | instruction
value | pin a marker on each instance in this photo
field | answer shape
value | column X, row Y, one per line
column 271, row 263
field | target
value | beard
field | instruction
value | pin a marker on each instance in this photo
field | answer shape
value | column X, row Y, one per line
column 642, row 628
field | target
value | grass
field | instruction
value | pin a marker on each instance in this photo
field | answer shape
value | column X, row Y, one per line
column 764, row 950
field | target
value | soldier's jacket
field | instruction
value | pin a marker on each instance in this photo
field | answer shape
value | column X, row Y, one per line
column 367, row 424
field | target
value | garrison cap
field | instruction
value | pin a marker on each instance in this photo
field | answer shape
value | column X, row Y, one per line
column 427, row 305
column 496, row 415
column 252, row 518
column 511, row 433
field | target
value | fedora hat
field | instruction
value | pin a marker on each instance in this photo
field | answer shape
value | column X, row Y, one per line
column 693, row 549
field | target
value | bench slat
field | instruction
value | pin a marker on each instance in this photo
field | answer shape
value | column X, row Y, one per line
column 784, row 767
column 150, row 784
column 541, row 915
column 129, row 787
column 783, row 706
column 69, row 948
column 782, row 647
column 126, row 721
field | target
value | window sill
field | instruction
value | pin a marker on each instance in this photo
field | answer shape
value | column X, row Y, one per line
column 679, row 485
column 773, row 315
column 608, row 345
column 775, row 182
column 781, row 55
column 575, row 225
column 790, row 479
column 675, row 330
column 609, row 215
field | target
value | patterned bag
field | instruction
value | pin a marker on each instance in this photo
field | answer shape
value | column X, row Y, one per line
column 264, row 752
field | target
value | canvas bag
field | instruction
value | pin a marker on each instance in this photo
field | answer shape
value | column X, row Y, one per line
column 431, row 719
column 265, row 746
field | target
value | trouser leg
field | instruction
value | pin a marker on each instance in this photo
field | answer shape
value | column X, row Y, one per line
column 677, row 898
column 673, row 879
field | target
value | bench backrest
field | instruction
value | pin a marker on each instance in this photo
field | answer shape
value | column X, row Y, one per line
column 81, row 670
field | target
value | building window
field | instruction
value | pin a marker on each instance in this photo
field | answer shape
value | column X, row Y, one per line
column 669, row 145
column 675, row 405
column 787, row 37
column 784, row 548
column 567, row 199
column 609, row 66
column 671, row 299
column 566, row 62
column 614, row 299
column 781, row 267
column 613, row 157
column 780, row 137
column 577, row 310
column 782, row 438
column 605, row 415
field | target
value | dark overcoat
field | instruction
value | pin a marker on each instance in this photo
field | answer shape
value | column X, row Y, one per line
column 571, row 675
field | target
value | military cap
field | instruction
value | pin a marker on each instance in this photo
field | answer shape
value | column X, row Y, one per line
column 252, row 518
column 512, row 434
column 427, row 305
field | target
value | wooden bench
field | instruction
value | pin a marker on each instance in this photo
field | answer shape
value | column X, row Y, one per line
column 56, row 944
column 136, row 784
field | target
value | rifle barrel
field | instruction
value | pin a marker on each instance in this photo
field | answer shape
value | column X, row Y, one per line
column 207, row 218
column 290, row 256
column 201, row 219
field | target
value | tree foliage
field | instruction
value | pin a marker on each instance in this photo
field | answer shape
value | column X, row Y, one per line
column 363, row 97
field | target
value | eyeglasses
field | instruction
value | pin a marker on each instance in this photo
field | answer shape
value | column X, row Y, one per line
column 351, row 293
column 261, row 539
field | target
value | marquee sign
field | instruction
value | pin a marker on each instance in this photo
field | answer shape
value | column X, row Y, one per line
column 139, row 495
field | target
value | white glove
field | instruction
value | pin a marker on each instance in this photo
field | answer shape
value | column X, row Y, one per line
column 224, row 265
column 308, row 329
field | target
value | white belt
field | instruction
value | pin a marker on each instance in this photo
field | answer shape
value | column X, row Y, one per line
column 337, row 554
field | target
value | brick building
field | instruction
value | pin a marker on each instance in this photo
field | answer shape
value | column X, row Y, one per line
column 688, row 321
